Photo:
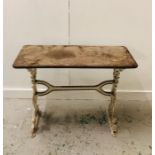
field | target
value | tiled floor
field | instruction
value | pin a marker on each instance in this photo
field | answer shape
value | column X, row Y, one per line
column 77, row 127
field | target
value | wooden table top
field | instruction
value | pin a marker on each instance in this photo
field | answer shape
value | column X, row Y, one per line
column 72, row 56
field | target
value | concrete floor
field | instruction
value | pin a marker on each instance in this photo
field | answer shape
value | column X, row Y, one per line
column 77, row 127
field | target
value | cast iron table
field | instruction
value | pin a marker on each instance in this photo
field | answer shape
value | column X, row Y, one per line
column 32, row 57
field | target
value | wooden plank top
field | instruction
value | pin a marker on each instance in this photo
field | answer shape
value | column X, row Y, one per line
column 72, row 56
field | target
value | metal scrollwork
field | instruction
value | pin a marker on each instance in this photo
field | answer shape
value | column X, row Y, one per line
column 37, row 112
column 111, row 109
column 51, row 88
column 99, row 88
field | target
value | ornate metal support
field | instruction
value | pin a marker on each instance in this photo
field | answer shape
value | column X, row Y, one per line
column 37, row 112
column 111, row 109
column 50, row 88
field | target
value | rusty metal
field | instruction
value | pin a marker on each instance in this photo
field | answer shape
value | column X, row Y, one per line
column 111, row 109
column 99, row 88
column 37, row 112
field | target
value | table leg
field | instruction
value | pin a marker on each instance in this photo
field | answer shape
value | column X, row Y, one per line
column 111, row 109
column 37, row 112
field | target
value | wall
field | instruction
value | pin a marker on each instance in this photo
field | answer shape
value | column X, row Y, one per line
column 90, row 22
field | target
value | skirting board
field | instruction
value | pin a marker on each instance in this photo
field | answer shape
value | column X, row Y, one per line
column 78, row 95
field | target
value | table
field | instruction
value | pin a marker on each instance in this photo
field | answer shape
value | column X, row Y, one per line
column 33, row 57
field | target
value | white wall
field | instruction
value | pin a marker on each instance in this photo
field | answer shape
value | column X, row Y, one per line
column 92, row 22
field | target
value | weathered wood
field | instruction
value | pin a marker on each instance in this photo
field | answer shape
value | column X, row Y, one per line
column 71, row 56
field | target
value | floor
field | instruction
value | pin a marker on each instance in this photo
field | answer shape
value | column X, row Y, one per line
column 77, row 127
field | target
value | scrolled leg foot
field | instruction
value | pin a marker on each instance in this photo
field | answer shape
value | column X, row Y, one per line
column 113, row 124
column 35, row 123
